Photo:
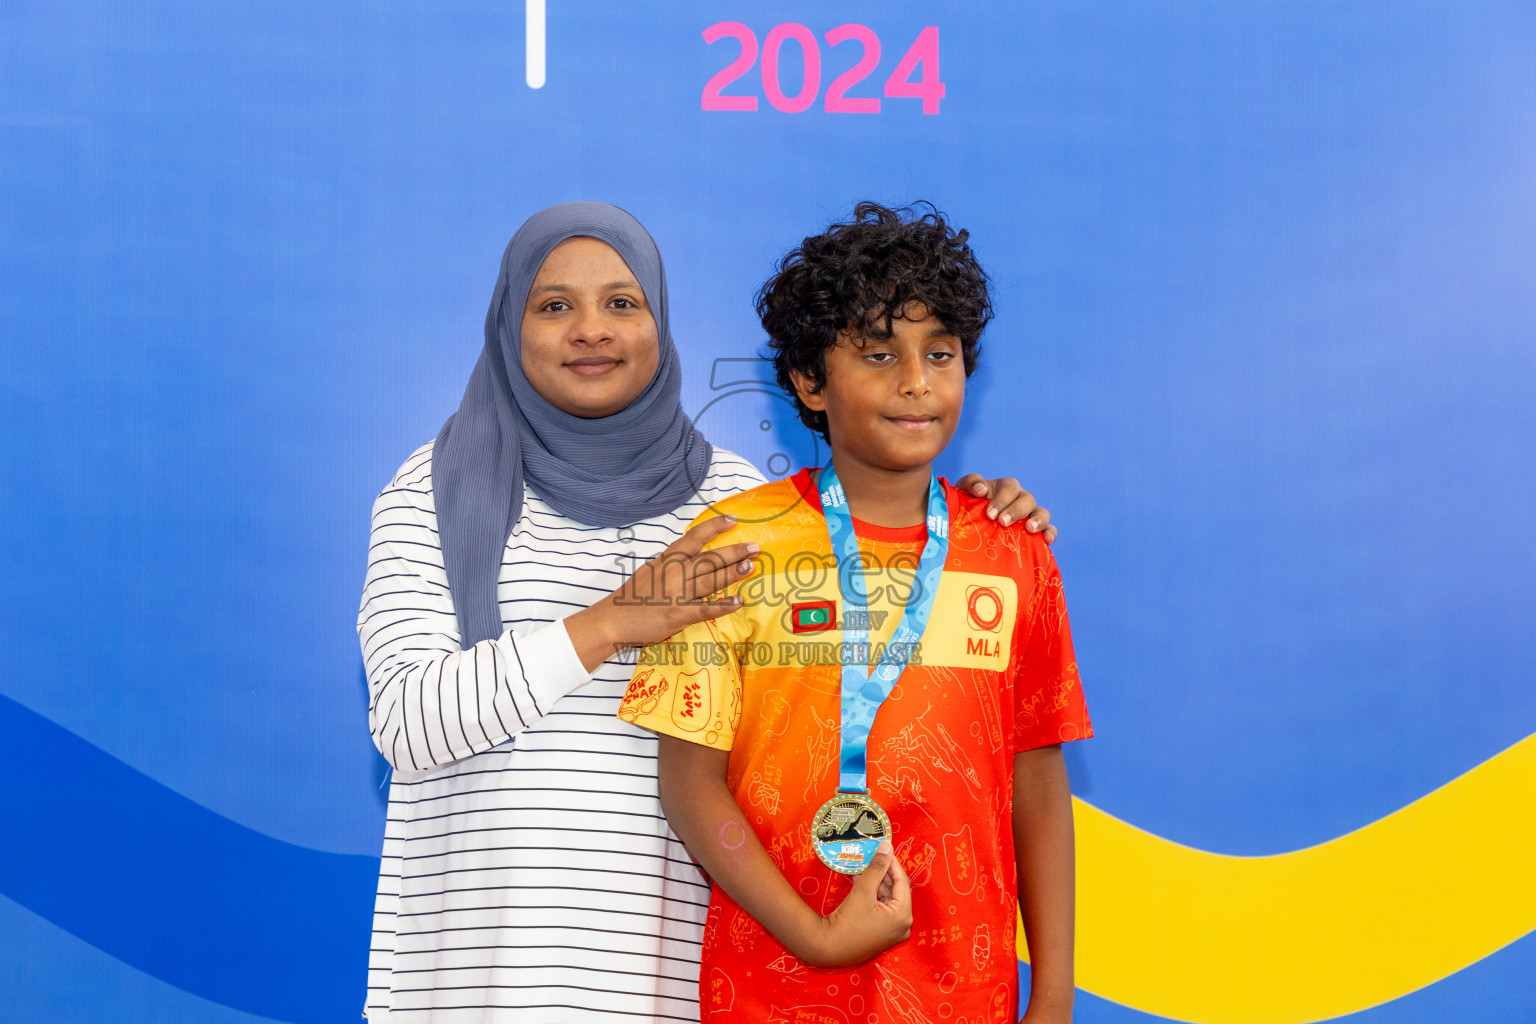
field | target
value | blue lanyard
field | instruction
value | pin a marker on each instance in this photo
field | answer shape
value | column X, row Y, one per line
column 863, row 694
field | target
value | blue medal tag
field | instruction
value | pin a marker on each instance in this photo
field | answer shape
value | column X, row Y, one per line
column 848, row 828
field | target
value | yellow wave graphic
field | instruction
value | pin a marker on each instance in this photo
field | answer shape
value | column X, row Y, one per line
column 1316, row 933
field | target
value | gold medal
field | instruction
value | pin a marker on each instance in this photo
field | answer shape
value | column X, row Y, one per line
column 847, row 830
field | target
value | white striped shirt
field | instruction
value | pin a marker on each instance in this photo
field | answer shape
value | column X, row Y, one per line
column 528, row 873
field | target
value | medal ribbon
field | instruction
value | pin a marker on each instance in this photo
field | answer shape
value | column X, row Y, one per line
column 863, row 691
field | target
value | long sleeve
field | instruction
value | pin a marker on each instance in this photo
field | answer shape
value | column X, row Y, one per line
column 429, row 702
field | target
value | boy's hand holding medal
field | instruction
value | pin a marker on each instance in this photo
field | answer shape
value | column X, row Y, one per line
column 874, row 916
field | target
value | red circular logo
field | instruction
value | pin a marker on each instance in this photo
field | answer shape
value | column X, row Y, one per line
column 984, row 607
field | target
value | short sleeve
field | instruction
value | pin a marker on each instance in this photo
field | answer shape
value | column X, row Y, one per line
column 688, row 686
column 1048, row 704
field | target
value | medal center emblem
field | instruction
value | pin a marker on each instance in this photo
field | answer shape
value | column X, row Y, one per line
column 847, row 830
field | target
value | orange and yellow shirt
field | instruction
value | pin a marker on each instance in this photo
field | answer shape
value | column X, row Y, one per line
column 994, row 675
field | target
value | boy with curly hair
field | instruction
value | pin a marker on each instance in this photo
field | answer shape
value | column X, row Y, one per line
column 866, row 755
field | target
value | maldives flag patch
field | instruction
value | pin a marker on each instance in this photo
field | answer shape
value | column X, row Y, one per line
column 812, row 616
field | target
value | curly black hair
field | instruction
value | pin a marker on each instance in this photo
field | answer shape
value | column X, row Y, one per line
column 860, row 276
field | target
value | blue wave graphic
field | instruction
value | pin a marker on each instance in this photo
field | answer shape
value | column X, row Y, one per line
column 166, row 885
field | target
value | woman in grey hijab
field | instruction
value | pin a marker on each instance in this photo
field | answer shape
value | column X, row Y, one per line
column 527, row 868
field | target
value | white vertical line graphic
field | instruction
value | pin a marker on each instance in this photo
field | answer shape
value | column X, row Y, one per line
column 533, row 55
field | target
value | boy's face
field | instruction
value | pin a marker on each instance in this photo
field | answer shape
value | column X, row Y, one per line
column 892, row 402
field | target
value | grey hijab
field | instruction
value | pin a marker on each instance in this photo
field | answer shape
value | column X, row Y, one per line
column 642, row 461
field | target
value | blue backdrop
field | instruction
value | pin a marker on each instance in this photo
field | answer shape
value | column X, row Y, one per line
column 1266, row 346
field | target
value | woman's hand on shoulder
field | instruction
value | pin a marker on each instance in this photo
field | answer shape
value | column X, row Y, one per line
column 1010, row 502
column 673, row 590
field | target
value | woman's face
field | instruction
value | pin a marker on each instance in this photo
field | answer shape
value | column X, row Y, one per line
column 589, row 340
